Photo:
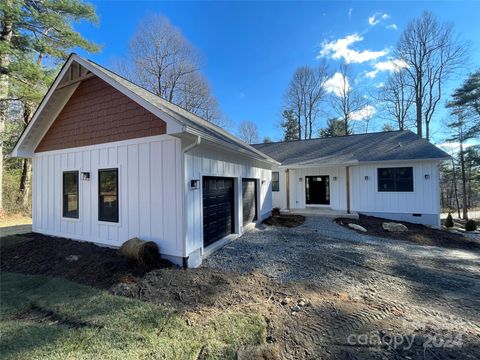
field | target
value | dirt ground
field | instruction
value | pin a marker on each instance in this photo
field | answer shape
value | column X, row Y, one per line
column 416, row 233
column 332, row 299
column 284, row 220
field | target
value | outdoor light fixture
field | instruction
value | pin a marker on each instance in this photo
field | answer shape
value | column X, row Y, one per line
column 366, row 178
column 300, row 179
column 85, row 176
column 334, row 178
column 194, row 184
column 427, row 176
column 263, row 182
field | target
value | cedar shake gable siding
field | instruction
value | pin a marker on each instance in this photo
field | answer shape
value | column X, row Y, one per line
column 97, row 113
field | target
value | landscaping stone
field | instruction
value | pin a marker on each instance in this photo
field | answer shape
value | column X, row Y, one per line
column 394, row 227
column 357, row 227
column 71, row 258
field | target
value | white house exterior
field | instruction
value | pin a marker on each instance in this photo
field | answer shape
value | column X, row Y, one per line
column 112, row 161
column 169, row 176
column 354, row 174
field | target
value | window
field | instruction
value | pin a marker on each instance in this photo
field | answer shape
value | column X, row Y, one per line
column 108, row 195
column 70, row 194
column 275, row 181
column 395, row 179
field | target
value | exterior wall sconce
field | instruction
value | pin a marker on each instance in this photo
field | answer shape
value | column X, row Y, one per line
column 427, row 176
column 263, row 182
column 300, row 179
column 85, row 176
column 366, row 178
column 194, row 184
column 334, row 178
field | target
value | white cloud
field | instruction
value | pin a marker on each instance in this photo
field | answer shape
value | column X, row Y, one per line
column 376, row 18
column 367, row 112
column 454, row 146
column 350, row 13
column 339, row 48
column 336, row 84
column 388, row 65
column 380, row 85
column 392, row 27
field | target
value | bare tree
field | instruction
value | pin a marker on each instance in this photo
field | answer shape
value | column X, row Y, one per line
column 431, row 52
column 397, row 97
column 346, row 100
column 161, row 60
column 304, row 95
column 248, row 132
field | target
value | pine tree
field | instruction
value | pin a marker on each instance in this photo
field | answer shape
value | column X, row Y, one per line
column 33, row 34
column 335, row 127
column 289, row 125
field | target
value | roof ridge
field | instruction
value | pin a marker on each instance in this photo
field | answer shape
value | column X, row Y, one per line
column 334, row 137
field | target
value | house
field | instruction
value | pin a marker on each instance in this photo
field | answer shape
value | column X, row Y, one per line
column 112, row 161
column 393, row 175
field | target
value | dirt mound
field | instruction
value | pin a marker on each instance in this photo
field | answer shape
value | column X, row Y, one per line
column 285, row 220
column 416, row 233
column 83, row 262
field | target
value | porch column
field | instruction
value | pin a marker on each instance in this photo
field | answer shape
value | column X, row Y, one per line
column 347, row 173
column 287, row 187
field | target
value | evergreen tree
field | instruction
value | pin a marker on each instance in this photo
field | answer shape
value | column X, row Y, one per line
column 335, row 127
column 289, row 125
column 34, row 37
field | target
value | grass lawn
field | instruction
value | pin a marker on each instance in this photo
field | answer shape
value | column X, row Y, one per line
column 14, row 219
column 53, row 318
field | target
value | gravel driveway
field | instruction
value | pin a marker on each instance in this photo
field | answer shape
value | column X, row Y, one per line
column 410, row 289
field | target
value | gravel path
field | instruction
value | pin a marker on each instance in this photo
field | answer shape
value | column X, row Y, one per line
column 427, row 284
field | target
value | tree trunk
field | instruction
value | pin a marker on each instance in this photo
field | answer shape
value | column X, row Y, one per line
column 455, row 190
column 464, row 182
column 5, row 39
column 418, row 105
column 25, row 180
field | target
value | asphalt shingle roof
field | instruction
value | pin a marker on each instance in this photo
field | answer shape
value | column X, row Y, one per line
column 382, row 146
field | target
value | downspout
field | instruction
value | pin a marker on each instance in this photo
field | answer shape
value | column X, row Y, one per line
column 184, row 172
column 347, row 170
column 287, row 185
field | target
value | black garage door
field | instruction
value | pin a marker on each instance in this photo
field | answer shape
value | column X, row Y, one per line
column 217, row 208
column 249, row 199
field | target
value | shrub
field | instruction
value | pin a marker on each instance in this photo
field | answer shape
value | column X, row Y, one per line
column 449, row 221
column 471, row 225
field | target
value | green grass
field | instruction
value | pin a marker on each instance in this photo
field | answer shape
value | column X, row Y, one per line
column 114, row 327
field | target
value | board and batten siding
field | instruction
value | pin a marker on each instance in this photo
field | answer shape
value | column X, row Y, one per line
column 338, row 200
column 150, row 192
column 207, row 161
column 425, row 198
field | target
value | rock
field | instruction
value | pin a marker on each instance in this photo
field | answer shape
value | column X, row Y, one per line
column 303, row 302
column 357, row 227
column 394, row 227
column 296, row 308
column 71, row 258
column 286, row 301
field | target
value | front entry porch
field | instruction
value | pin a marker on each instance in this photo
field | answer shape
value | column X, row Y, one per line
column 321, row 211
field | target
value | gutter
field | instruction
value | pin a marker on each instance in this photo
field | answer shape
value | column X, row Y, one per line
column 194, row 144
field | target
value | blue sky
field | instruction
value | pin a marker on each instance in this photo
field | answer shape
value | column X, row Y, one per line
column 253, row 48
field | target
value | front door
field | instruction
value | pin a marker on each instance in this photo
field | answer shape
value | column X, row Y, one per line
column 317, row 190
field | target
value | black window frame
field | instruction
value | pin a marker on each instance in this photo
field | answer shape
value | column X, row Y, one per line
column 101, row 216
column 65, row 213
column 398, row 183
column 276, row 183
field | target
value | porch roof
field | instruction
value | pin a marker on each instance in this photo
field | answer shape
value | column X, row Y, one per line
column 351, row 149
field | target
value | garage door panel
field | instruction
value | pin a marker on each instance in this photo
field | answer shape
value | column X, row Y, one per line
column 217, row 208
column 249, row 200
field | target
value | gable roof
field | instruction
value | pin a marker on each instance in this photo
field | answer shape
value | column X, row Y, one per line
column 351, row 149
column 178, row 120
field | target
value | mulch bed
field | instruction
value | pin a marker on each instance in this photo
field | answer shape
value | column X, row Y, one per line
column 285, row 220
column 96, row 266
column 416, row 233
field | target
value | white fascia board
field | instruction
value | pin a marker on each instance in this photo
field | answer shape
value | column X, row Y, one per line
column 51, row 90
column 173, row 125
column 438, row 160
column 316, row 165
column 231, row 146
